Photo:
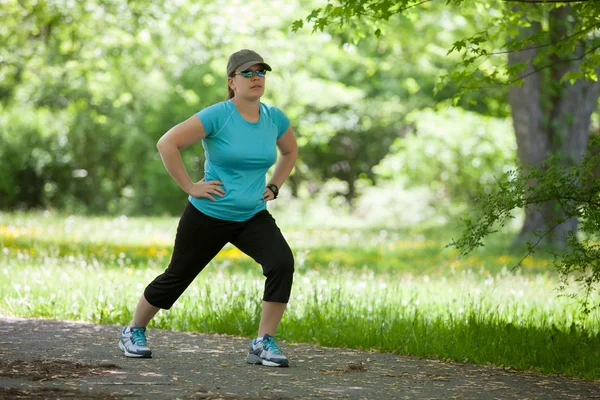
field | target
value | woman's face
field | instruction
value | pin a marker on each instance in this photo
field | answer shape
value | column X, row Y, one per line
column 248, row 83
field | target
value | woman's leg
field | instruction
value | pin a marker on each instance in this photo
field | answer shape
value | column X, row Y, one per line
column 262, row 240
column 272, row 312
column 199, row 238
column 144, row 312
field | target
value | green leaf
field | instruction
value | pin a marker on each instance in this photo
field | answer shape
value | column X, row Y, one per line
column 297, row 25
column 314, row 14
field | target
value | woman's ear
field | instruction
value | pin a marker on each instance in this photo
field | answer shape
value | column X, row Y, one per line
column 230, row 83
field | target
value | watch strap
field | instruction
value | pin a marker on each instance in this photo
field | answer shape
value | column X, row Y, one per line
column 273, row 188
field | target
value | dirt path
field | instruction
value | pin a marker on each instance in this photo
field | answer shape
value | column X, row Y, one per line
column 43, row 359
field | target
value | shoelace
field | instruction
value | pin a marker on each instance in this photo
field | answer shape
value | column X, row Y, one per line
column 138, row 336
column 271, row 346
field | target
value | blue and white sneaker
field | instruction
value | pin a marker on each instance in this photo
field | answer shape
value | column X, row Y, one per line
column 264, row 351
column 133, row 343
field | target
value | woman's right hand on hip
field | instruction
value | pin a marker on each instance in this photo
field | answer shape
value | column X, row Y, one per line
column 206, row 189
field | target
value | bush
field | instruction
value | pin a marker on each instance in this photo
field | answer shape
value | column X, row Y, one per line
column 35, row 162
column 455, row 153
column 576, row 190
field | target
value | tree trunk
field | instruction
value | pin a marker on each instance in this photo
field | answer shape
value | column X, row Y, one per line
column 550, row 118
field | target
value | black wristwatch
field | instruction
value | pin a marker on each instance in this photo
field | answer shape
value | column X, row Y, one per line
column 273, row 188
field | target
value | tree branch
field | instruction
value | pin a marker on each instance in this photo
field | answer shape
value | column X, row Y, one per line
column 540, row 238
column 505, row 84
column 532, row 200
column 545, row 1
column 552, row 64
column 372, row 15
column 414, row 5
column 548, row 44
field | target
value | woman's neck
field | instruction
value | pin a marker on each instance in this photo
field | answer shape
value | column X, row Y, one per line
column 250, row 110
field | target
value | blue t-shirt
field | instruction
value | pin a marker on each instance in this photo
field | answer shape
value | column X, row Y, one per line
column 239, row 154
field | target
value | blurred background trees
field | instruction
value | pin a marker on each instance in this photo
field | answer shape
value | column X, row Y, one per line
column 377, row 99
column 550, row 64
column 550, row 60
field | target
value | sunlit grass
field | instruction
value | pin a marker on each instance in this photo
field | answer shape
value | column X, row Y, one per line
column 398, row 291
column 139, row 241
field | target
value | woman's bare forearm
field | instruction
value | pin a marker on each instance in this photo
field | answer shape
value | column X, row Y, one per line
column 171, row 158
column 283, row 168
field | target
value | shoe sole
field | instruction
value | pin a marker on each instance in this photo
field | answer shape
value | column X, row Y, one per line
column 253, row 359
column 132, row 355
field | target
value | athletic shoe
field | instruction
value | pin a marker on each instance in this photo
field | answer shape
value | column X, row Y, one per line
column 264, row 351
column 133, row 343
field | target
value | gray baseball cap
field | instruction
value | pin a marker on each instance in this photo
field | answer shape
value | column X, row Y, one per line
column 244, row 59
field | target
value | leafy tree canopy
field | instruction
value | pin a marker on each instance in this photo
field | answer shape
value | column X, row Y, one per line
column 482, row 55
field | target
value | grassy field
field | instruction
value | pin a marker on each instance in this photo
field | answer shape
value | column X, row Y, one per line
column 369, row 288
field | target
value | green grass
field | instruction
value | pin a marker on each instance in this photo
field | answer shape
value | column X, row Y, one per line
column 394, row 291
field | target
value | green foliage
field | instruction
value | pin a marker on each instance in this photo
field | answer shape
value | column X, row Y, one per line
column 529, row 26
column 33, row 150
column 483, row 64
column 82, row 92
column 360, row 139
column 153, row 66
column 554, row 39
column 576, row 189
column 456, row 154
column 115, row 94
column 393, row 76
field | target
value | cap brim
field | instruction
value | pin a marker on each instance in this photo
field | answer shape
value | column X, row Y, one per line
column 247, row 65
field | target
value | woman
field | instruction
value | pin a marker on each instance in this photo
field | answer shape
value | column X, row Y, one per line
column 240, row 138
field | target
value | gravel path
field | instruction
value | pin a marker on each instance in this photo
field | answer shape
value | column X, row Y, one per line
column 44, row 359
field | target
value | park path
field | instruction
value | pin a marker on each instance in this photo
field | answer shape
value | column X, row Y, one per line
column 45, row 359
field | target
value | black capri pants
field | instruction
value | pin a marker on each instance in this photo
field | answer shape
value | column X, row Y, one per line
column 200, row 237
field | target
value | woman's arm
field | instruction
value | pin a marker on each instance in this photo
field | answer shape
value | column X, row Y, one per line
column 288, row 149
column 169, row 146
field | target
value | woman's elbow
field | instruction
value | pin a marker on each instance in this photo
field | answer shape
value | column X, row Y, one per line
column 162, row 143
column 294, row 151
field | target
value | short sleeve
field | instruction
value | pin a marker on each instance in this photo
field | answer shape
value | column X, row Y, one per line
column 280, row 120
column 210, row 118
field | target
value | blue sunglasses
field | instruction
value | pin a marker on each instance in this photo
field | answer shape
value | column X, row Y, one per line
column 250, row 74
